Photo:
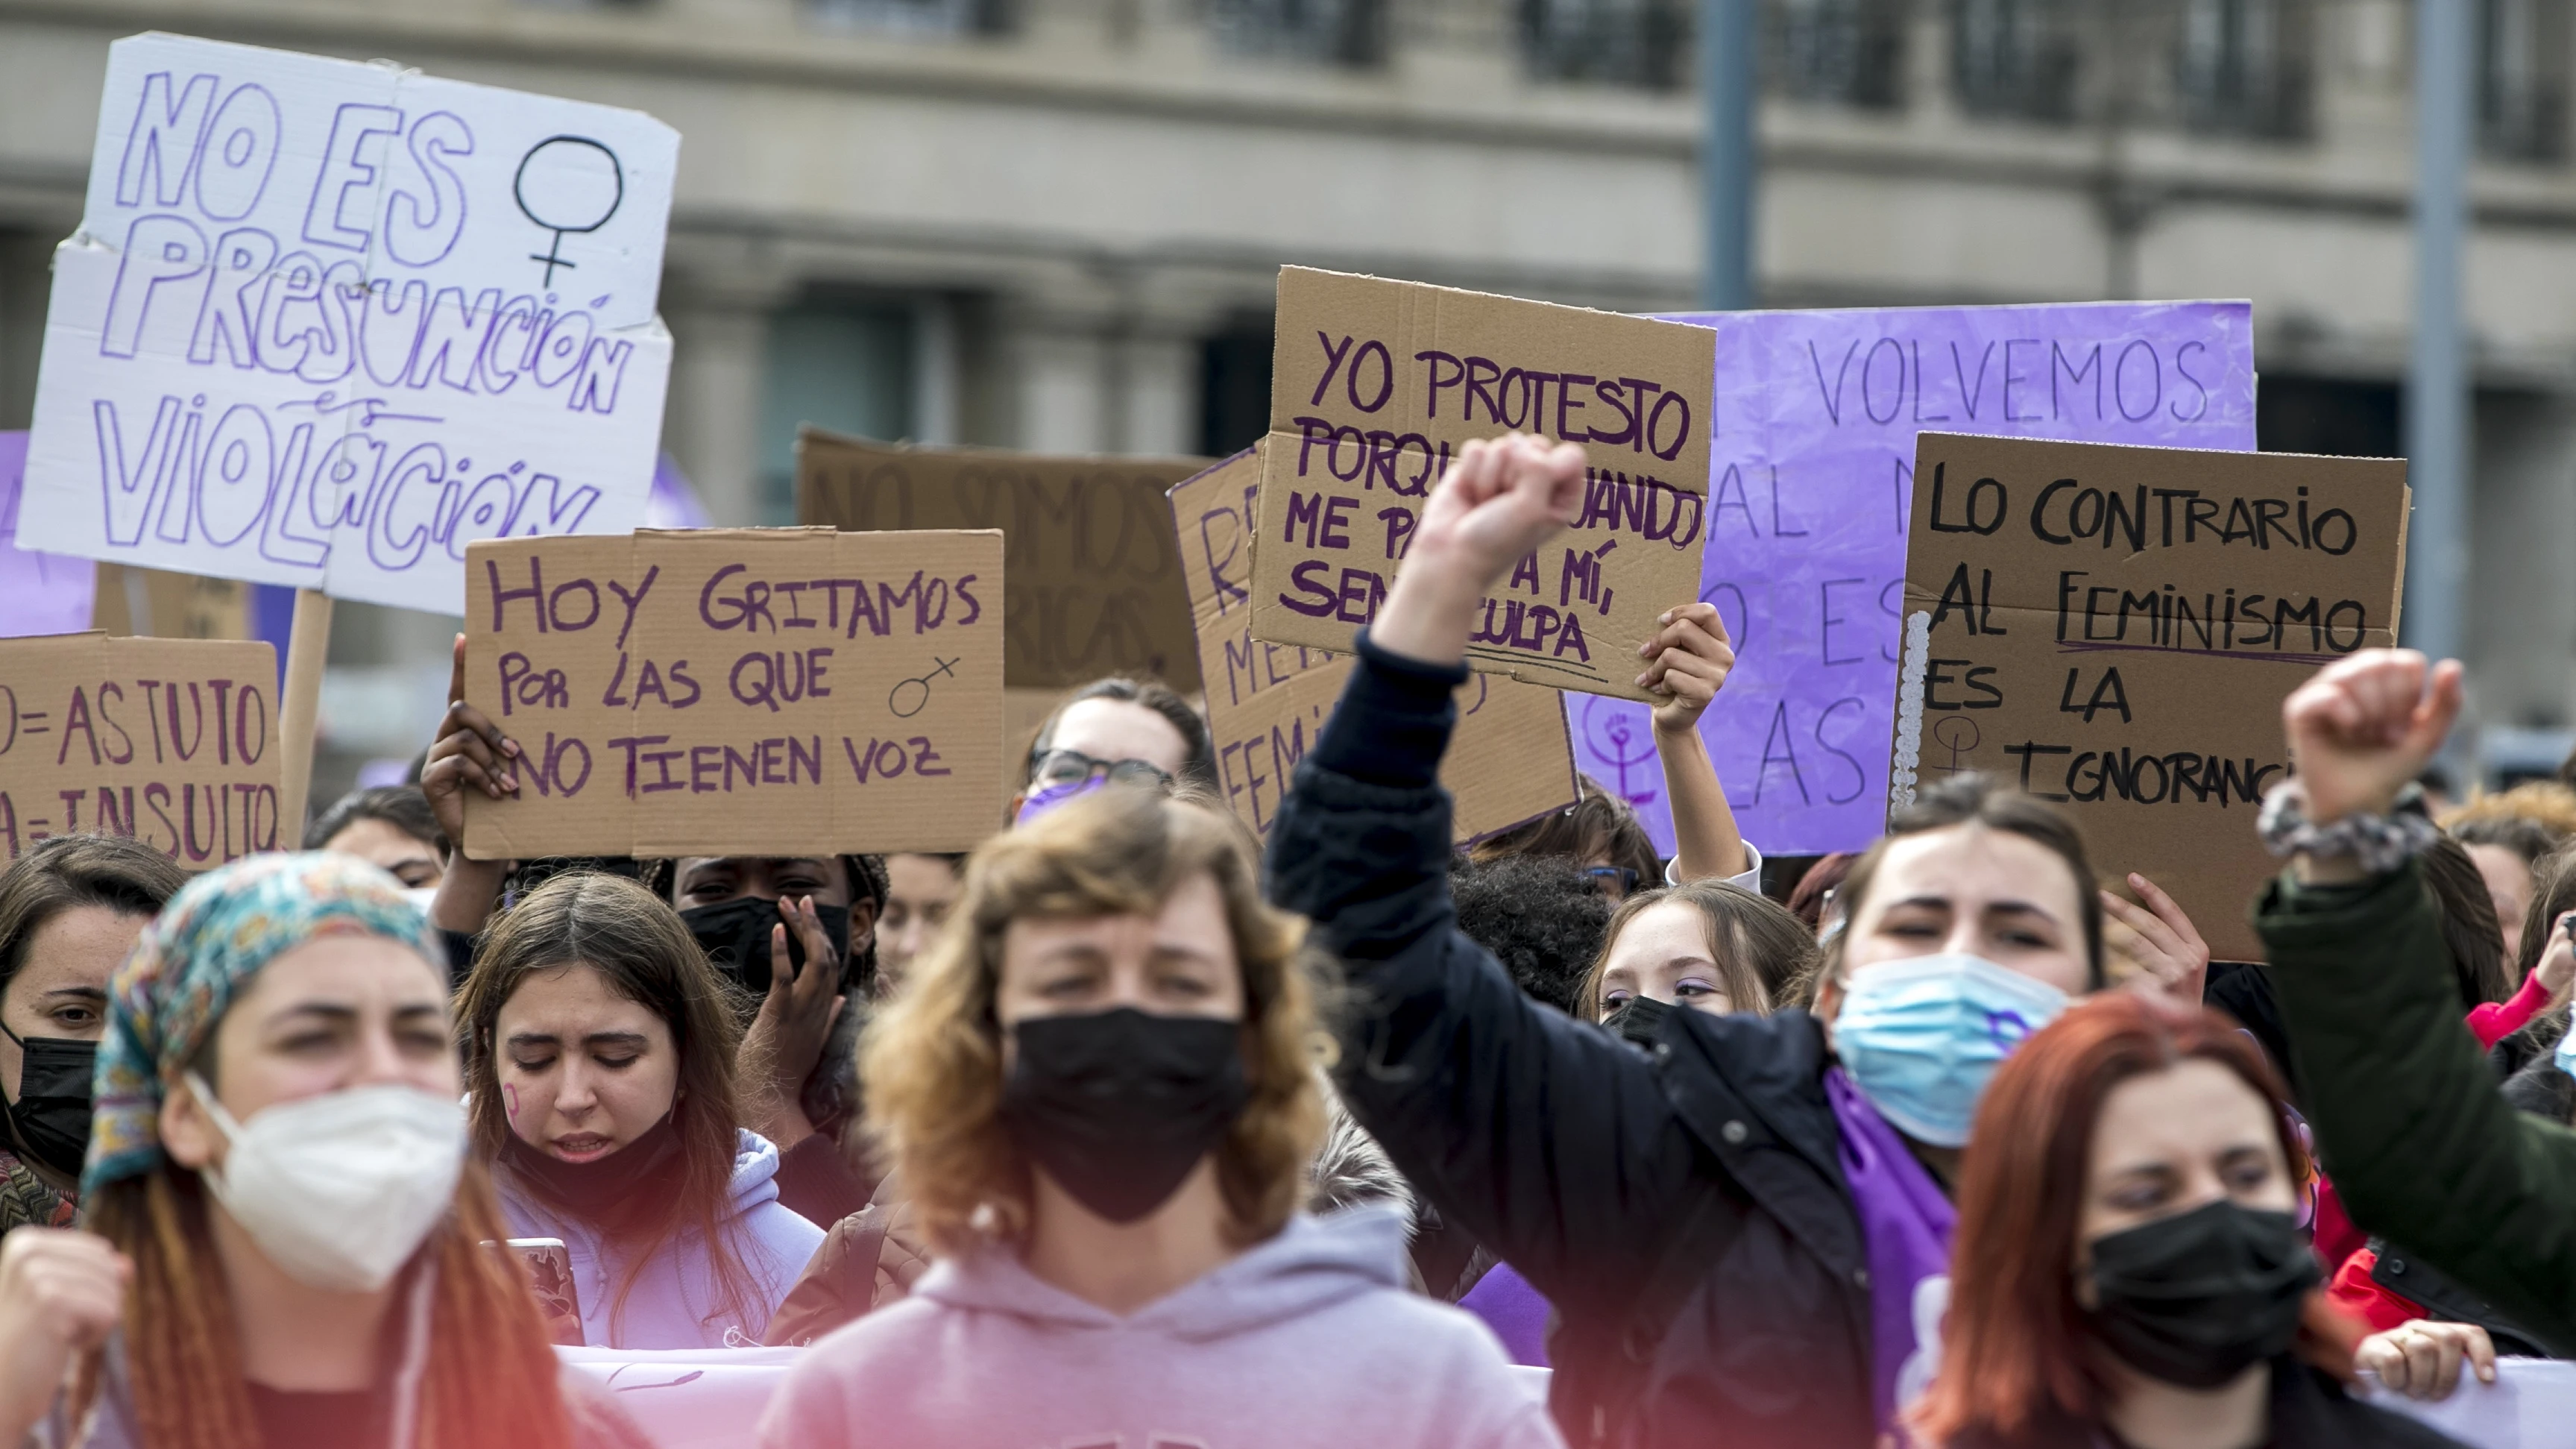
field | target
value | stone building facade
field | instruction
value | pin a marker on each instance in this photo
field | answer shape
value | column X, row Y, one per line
column 1054, row 224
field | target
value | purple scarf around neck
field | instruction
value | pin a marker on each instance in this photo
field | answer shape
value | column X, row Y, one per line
column 1905, row 1226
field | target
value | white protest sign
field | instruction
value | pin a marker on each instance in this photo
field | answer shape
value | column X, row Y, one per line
column 326, row 323
column 687, row 1398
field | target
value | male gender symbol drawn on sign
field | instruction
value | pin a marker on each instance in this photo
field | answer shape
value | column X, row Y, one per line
column 568, row 184
column 922, row 699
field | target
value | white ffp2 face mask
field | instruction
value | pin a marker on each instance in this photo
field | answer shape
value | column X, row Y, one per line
column 339, row 1190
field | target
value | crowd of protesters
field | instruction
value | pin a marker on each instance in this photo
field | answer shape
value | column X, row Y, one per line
column 1129, row 1129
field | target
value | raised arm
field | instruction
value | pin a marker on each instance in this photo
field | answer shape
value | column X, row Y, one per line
column 2407, row 1117
column 1687, row 663
column 1549, row 1139
column 470, row 753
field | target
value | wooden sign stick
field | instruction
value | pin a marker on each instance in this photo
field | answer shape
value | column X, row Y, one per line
column 307, row 647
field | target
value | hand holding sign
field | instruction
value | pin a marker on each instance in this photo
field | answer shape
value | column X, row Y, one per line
column 1689, row 659
column 2172, row 959
column 470, row 753
column 1502, row 499
column 2366, row 726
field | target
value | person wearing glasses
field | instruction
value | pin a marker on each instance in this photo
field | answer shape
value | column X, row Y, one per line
column 1115, row 730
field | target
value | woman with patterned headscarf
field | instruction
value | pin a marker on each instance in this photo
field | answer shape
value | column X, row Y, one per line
column 285, row 1238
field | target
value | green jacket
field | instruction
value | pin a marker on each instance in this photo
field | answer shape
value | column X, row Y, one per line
column 2422, row 1148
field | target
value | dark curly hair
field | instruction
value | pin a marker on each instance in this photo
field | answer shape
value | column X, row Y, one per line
column 1540, row 915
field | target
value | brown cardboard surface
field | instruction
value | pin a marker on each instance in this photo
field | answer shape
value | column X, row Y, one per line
column 1095, row 584
column 1375, row 385
column 739, row 691
column 173, row 741
column 1511, row 759
column 165, row 605
column 2114, row 629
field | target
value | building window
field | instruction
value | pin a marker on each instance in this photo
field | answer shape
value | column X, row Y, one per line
column 2522, row 79
column 842, row 365
column 1643, row 43
column 2242, row 66
column 2016, row 58
column 1234, row 386
column 914, row 17
column 1850, row 52
column 1325, row 32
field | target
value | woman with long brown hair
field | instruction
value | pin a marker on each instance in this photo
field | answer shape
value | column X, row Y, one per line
column 2128, row 1267
column 1098, row 1088
column 286, row 1242
column 600, row 1064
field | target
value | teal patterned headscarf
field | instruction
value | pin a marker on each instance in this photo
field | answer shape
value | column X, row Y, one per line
column 217, row 932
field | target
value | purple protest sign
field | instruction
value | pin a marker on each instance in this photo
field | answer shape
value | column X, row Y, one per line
column 48, row 593
column 1811, row 472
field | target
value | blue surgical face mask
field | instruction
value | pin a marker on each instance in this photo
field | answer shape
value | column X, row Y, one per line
column 2565, row 1056
column 1922, row 1037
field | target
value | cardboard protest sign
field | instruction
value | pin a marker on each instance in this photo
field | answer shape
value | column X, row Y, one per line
column 1095, row 578
column 1813, row 460
column 171, row 741
column 1509, row 762
column 780, row 691
column 2114, row 629
column 1374, row 387
column 48, row 593
column 325, row 324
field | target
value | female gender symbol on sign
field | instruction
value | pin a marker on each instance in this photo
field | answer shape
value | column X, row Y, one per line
column 578, row 183
column 1621, row 752
column 1960, row 734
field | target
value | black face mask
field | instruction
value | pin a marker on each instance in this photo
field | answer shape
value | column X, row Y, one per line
column 52, row 1111
column 1638, row 1018
column 2197, row 1298
column 1119, row 1106
column 603, row 1189
column 735, row 936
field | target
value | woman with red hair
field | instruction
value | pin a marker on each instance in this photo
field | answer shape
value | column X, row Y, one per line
column 2128, row 1267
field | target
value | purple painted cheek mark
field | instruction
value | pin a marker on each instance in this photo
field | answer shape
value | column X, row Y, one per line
column 510, row 1094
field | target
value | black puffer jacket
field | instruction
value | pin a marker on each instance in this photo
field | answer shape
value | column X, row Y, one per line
column 1708, row 1167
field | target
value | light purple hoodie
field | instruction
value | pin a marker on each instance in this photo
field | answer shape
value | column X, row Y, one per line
column 1308, row 1339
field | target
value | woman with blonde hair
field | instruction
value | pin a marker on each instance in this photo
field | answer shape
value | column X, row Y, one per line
column 286, row 1241
column 1098, row 1090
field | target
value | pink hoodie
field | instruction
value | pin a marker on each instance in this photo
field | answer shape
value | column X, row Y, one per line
column 1308, row 1339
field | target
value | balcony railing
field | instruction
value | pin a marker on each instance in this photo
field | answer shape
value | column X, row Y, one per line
column 1850, row 52
column 1325, row 32
column 2015, row 58
column 2522, row 79
column 2242, row 67
column 1644, row 43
